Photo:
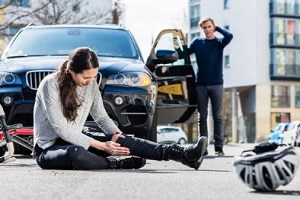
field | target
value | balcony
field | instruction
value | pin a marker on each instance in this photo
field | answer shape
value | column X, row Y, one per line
column 284, row 40
column 284, row 72
column 278, row 9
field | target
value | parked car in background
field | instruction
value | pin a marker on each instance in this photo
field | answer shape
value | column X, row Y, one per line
column 276, row 134
column 171, row 134
column 289, row 136
column 297, row 140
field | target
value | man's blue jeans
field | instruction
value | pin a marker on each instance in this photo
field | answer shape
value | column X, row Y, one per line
column 215, row 94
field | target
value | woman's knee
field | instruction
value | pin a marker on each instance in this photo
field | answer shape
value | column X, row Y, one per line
column 75, row 152
column 82, row 159
column 115, row 137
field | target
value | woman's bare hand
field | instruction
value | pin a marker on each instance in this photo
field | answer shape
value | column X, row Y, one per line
column 115, row 149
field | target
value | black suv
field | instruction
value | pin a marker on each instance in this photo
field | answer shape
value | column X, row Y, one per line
column 136, row 95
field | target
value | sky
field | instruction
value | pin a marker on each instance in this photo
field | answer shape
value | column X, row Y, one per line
column 146, row 18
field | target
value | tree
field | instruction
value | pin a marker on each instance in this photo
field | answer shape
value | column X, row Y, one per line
column 72, row 12
column 45, row 12
column 14, row 14
column 11, row 12
column 117, row 11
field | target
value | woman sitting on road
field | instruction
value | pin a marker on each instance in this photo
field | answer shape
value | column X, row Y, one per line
column 63, row 102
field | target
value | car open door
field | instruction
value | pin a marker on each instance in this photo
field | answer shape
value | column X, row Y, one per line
column 170, row 63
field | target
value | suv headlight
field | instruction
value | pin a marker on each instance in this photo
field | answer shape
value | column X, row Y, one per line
column 130, row 79
column 8, row 78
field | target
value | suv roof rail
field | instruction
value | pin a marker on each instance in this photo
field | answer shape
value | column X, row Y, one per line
column 30, row 24
column 123, row 26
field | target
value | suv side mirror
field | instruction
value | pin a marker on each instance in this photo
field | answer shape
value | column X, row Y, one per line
column 165, row 57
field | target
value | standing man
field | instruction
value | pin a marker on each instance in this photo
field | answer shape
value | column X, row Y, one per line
column 209, row 82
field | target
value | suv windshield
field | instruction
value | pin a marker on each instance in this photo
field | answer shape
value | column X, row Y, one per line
column 62, row 40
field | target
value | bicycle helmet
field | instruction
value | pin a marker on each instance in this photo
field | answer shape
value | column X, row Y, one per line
column 265, row 168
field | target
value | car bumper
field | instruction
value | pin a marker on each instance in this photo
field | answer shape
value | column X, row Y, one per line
column 135, row 114
column 20, row 112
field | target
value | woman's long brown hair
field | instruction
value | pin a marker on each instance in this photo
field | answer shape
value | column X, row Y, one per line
column 80, row 59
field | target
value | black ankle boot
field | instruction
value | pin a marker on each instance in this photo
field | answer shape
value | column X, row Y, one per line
column 191, row 156
column 126, row 163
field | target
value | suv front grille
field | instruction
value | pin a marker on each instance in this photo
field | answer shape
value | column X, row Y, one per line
column 34, row 78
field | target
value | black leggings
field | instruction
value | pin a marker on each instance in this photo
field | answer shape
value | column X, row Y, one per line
column 63, row 155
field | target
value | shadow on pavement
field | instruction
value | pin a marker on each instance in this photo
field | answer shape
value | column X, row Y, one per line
column 281, row 192
column 213, row 157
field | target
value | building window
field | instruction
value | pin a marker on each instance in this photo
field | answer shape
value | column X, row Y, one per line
column 195, row 15
column 226, row 4
column 290, row 7
column 226, row 61
column 22, row 3
column 290, row 32
column 278, row 7
column 280, row 96
column 13, row 30
column 297, row 96
column 279, row 30
column 195, row 35
column 285, row 32
column 285, row 63
column 226, row 57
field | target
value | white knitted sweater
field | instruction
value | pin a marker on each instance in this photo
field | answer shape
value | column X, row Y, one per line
column 50, row 123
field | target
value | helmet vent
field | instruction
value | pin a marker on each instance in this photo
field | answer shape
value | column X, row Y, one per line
column 290, row 166
column 254, row 177
column 281, row 177
column 242, row 175
column 267, row 177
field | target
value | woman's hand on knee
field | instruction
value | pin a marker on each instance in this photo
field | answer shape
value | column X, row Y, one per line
column 110, row 147
column 116, row 136
column 115, row 149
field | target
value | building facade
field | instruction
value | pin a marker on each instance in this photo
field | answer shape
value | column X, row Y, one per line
column 261, row 64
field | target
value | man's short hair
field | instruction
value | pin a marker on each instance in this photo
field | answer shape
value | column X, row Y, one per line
column 205, row 19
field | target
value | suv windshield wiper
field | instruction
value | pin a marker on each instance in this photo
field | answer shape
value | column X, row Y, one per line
column 18, row 56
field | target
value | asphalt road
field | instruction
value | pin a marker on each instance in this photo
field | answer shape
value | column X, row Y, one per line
column 216, row 179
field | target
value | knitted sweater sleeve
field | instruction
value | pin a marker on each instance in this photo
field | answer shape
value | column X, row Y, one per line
column 227, row 36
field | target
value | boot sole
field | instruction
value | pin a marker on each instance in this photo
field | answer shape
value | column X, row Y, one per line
column 204, row 143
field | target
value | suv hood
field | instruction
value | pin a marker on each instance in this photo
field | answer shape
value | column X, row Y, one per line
column 19, row 65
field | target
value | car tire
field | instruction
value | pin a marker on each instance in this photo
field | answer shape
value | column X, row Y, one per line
column 152, row 135
column 181, row 141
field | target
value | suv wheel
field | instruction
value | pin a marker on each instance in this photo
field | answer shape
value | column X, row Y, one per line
column 152, row 135
column 181, row 141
